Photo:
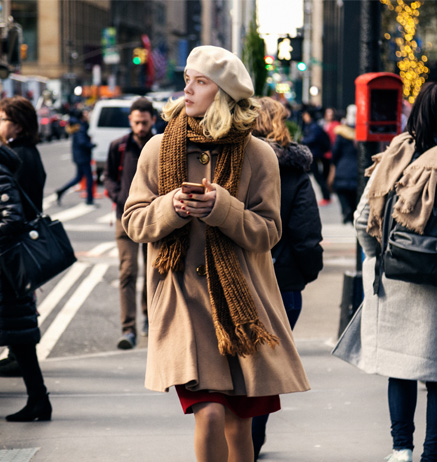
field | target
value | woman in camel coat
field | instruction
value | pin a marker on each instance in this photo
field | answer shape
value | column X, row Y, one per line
column 224, row 375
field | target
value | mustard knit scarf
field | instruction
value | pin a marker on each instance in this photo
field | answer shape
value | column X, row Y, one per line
column 238, row 328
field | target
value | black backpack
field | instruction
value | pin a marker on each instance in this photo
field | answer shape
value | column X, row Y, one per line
column 406, row 255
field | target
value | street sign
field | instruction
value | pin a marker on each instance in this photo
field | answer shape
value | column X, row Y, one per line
column 109, row 46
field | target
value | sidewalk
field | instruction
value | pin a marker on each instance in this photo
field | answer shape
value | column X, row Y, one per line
column 102, row 412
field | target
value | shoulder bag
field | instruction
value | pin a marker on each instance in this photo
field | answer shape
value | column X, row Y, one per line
column 37, row 255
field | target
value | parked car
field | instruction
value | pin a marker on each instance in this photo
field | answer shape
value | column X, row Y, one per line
column 108, row 121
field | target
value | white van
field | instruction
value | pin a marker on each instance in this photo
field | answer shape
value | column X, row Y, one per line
column 108, row 121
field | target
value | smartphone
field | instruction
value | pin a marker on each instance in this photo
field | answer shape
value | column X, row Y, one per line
column 193, row 188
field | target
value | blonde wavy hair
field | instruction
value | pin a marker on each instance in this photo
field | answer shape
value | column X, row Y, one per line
column 271, row 121
column 223, row 114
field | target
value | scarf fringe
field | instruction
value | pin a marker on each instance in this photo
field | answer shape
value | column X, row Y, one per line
column 244, row 344
column 225, row 345
column 262, row 336
column 171, row 256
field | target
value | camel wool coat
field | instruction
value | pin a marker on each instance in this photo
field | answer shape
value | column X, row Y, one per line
column 182, row 347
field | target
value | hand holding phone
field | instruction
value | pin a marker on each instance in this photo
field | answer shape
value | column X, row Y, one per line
column 200, row 200
column 193, row 188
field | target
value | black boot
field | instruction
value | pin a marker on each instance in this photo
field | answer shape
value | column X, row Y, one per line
column 37, row 408
column 59, row 194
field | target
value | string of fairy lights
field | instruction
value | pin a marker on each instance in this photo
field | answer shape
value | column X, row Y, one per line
column 412, row 60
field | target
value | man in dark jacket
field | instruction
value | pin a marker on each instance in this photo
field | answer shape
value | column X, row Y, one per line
column 120, row 169
column 82, row 151
column 318, row 142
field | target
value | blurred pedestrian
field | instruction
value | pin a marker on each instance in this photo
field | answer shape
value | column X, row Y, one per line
column 318, row 142
column 331, row 119
column 18, row 316
column 82, row 151
column 218, row 328
column 395, row 333
column 120, row 169
column 344, row 159
column 298, row 255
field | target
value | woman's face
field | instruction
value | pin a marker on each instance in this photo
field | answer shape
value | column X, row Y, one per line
column 8, row 128
column 199, row 93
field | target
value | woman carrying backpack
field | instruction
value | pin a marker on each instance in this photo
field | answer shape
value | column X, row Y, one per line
column 398, row 320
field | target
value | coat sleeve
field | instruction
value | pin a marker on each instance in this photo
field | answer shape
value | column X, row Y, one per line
column 255, row 224
column 337, row 150
column 11, row 209
column 147, row 216
column 112, row 173
column 84, row 141
column 369, row 244
column 304, row 231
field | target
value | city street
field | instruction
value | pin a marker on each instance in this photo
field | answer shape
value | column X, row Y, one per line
column 102, row 412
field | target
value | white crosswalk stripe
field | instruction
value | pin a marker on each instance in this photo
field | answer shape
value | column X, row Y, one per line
column 65, row 316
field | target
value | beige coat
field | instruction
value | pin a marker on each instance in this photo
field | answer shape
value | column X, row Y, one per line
column 182, row 341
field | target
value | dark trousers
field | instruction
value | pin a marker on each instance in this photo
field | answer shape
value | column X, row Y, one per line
column 348, row 203
column 293, row 306
column 319, row 170
column 128, row 255
column 25, row 354
column 82, row 170
column 402, row 399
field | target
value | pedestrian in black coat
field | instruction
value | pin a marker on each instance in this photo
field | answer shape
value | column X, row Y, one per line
column 344, row 158
column 18, row 316
column 298, row 255
column 318, row 142
column 82, row 147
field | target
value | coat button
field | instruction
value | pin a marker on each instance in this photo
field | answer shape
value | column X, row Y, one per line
column 204, row 158
column 201, row 270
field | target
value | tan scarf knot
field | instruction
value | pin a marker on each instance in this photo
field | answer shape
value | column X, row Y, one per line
column 238, row 328
column 414, row 182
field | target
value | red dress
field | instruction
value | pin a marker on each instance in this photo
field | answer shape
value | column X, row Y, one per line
column 242, row 406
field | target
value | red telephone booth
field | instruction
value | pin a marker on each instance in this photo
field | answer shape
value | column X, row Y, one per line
column 378, row 97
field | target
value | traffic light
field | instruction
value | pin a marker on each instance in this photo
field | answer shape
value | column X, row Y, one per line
column 139, row 56
column 301, row 66
column 289, row 49
column 23, row 51
column 270, row 63
column 14, row 40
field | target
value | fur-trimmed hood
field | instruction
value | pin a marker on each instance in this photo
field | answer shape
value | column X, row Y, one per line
column 293, row 155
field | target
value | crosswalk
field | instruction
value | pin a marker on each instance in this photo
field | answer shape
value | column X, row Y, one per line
column 90, row 275
column 61, row 300
column 69, row 310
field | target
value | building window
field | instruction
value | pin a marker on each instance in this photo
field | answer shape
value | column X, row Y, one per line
column 25, row 13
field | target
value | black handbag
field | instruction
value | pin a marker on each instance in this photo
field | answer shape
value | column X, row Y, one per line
column 37, row 255
column 406, row 255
